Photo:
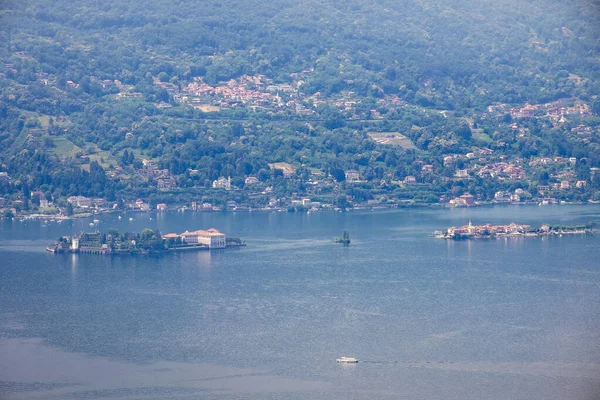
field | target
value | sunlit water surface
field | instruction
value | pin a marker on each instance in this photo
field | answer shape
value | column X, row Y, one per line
column 514, row 318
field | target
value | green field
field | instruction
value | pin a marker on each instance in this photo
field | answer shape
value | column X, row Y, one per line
column 392, row 139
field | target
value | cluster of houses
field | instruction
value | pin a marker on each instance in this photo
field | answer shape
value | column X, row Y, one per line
column 163, row 177
column 502, row 169
column 475, row 231
column 257, row 91
column 514, row 197
column 556, row 110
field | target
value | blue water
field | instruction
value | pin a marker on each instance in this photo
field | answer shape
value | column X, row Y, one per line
column 515, row 318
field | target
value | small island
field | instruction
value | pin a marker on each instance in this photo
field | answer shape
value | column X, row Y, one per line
column 145, row 242
column 489, row 231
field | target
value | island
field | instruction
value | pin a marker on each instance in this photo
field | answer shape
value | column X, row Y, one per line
column 489, row 231
column 147, row 241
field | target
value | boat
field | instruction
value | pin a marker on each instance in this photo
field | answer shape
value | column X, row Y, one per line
column 130, row 219
column 347, row 360
column 345, row 239
column 96, row 221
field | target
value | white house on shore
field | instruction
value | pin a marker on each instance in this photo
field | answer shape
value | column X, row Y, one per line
column 211, row 238
column 80, row 201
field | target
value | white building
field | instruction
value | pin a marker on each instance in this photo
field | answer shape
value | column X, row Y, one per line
column 222, row 183
column 352, row 175
column 461, row 173
column 211, row 238
column 251, row 180
column 409, row 180
column 80, row 201
column 140, row 204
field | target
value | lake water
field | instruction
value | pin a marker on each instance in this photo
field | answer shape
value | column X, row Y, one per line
column 515, row 318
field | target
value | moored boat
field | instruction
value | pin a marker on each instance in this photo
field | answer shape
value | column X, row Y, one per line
column 347, row 360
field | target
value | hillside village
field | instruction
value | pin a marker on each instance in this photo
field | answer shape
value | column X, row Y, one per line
column 519, row 178
column 187, row 137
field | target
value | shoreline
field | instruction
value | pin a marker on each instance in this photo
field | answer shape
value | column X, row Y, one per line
column 60, row 218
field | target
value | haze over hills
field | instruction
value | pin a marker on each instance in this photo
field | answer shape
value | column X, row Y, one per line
column 343, row 103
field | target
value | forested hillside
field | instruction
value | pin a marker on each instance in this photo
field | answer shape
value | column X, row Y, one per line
column 424, row 100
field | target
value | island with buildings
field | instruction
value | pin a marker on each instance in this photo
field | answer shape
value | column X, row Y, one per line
column 489, row 231
column 147, row 241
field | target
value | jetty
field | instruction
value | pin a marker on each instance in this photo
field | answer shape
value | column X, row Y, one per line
column 489, row 231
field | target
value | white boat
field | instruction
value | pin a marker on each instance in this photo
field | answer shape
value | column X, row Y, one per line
column 130, row 219
column 347, row 360
column 96, row 221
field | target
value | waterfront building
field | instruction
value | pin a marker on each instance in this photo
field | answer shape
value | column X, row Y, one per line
column 211, row 238
column 466, row 200
column 140, row 204
column 80, row 201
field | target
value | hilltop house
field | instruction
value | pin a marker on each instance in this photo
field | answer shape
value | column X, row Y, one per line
column 222, row 183
column 352, row 175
